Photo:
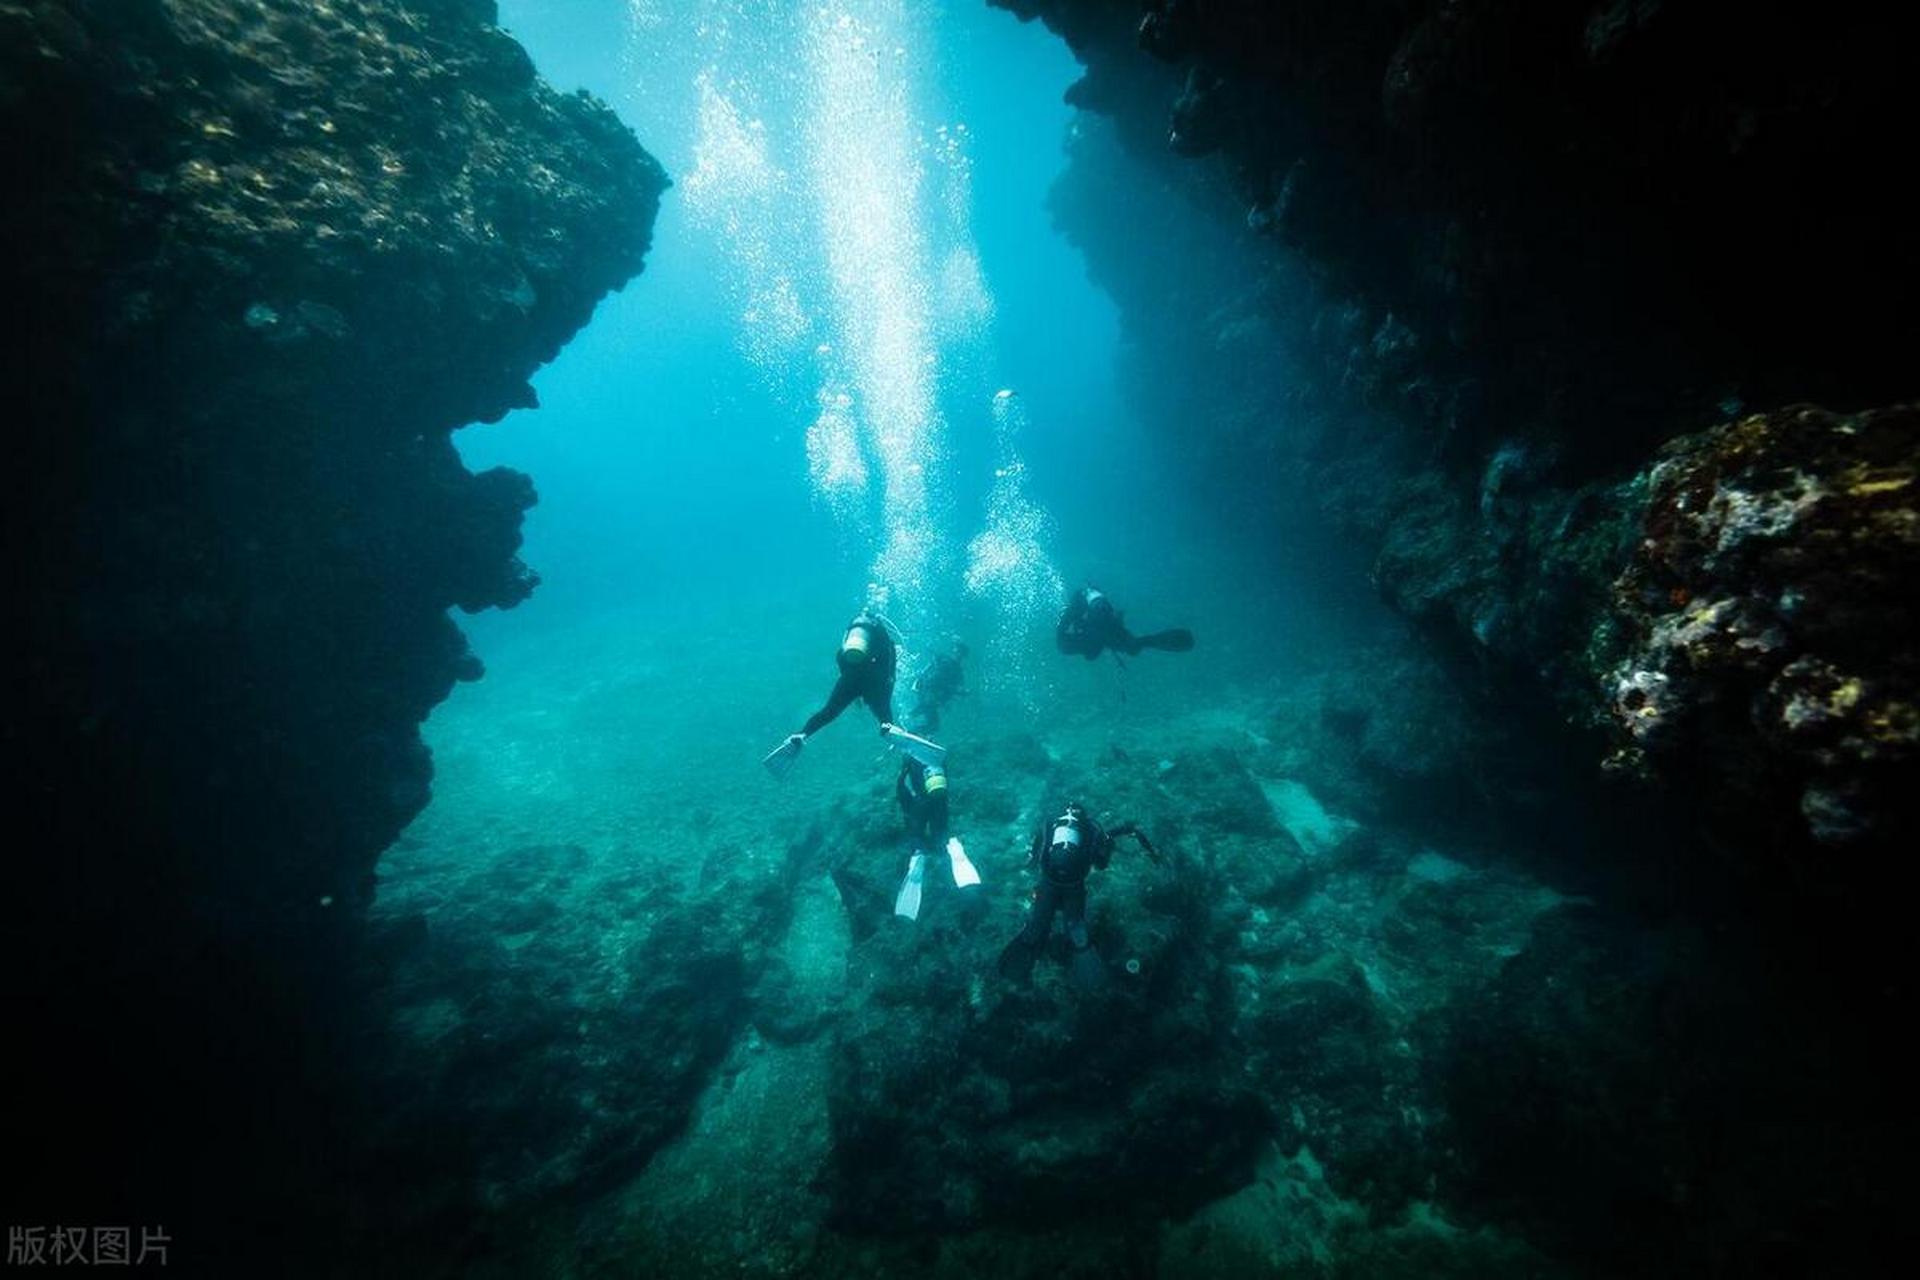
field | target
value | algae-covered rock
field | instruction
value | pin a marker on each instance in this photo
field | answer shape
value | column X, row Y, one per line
column 1325, row 1054
column 269, row 255
column 962, row 1099
column 1768, row 615
column 1388, row 735
column 1290, row 1221
column 563, row 1013
column 1217, row 793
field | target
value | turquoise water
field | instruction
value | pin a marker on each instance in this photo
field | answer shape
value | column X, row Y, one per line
column 662, row 995
column 860, row 354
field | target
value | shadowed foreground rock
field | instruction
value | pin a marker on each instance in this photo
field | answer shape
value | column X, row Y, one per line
column 1638, row 1100
column 268, row 256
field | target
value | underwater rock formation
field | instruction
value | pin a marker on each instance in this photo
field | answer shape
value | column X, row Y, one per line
column 1768, row 612
column 270, row 255
column 957, row 1101
column 555, row 1019
column 1709, row 1137
column 1461, row 270
column 1253, row 1001
column 1530, row 307
column 1565, row 210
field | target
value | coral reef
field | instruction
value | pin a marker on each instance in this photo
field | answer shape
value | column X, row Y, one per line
column 270, row 255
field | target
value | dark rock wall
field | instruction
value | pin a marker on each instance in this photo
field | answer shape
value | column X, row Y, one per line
column 1532, row 306
column 265, row 257
column 1489, row 258
column 1649, row 1102
column 1579, row 207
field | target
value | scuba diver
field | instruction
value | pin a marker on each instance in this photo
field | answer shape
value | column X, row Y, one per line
column 1090, row 625
column 941, row 681
column 869, row 654
column 922, row 792
column 1066, row 849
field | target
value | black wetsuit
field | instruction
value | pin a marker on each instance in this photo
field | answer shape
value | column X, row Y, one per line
column 922, row 792
column 871, row 680
column 1090, row 625
column 1064, row 866
column 1063, row 879
column 933, row 688
column 1066, row 849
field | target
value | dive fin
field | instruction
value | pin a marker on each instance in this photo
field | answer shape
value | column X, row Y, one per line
column 1178, row 640
column 782, row 758
column 931, row 754
column 964, row 872
column 907, row 903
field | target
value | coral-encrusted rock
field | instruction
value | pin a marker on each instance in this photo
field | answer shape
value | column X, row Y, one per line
column 562, row 1014
column 961, row 1099
column 1771, row 608
column 268, row 256
column 1490, row 272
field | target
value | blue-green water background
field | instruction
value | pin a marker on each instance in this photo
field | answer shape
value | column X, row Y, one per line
column 672, row 468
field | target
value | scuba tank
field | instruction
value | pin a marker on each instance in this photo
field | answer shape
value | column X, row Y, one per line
column 856, row 646
column 1069, row 852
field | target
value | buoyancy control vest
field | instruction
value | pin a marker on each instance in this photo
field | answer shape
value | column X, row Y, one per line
column 1072, row 847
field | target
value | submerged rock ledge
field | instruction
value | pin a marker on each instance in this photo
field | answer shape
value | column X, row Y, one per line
column 269, row 255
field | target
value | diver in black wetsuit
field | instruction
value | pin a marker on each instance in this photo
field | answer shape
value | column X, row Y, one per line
column 1090, row 625
column 921, row 790
column 868, row 655
column 940, row 682
column 1066, row 849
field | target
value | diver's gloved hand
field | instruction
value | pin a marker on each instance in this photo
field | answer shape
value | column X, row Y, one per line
column 1146, row 845
column 885, row 728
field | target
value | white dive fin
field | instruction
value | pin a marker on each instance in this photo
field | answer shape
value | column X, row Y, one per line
column 931, row 754
column 783, row 757
column 964, row 873
column 907, row 903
